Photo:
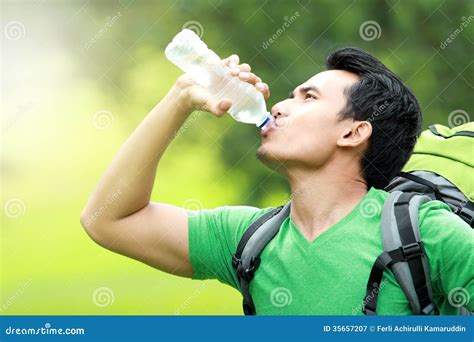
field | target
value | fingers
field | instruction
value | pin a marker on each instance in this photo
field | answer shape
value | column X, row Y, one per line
column 249, row 77
column 218, row 108
column 223, row 106
column 244, row 73
column 240, row 68
column 264, row 89
column 244, row 67
column 231, row 61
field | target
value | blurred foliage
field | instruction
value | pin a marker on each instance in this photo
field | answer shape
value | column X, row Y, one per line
column 56, row 78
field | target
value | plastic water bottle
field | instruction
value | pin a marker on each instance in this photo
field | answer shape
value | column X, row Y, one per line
column 192, row 55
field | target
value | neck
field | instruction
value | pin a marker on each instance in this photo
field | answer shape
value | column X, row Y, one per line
column 322, row 197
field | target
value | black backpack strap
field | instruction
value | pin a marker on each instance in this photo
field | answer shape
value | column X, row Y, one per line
column 404, row 255
column 433, row 187
column 246, row 259
column 385, row 261
column 466, row 212
column 250, row 230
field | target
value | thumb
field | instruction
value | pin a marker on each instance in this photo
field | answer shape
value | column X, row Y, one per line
column 220, row 107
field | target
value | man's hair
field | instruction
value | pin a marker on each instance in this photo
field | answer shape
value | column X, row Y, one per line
column 381, row 98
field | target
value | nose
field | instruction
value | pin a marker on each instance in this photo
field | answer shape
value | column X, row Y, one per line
column 277, row 110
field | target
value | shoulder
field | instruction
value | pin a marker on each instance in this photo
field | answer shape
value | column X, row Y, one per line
column 241, row 214
column 378, row 194
column 213, row 236
column 237, row 215
column 448, row 242
column 442, row 231
column 438, row 217
column 231, row 221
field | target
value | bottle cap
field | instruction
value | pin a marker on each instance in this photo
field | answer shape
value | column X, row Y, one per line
column 267, row 120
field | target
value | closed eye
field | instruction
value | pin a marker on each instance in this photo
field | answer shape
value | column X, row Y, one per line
column 309, row 96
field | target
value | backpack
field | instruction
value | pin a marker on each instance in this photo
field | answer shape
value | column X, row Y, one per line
column 440, row 168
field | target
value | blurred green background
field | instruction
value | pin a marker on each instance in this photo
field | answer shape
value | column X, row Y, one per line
column 79, row 76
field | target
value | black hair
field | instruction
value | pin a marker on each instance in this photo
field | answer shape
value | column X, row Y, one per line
column 381, row 98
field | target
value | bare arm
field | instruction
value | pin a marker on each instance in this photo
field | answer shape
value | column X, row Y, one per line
column 119, row 215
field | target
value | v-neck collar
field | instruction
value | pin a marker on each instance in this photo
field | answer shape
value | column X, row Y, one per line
column 355, row 212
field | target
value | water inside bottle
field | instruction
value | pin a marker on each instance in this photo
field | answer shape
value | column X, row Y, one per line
column 193, row 56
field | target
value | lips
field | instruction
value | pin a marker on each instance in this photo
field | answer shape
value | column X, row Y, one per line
column 276, row 124
column 267, row 128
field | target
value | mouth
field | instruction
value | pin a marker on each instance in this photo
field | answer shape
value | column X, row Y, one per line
column 277, row 124
column 267, row 129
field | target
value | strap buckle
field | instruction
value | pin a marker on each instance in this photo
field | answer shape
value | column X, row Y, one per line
column 368, row 311
column 245, row 273
column 249, row 273
column 235, row 262
column 413, row 250
column 430, row 308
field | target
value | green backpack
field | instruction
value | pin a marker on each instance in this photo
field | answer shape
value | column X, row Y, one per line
column 441, row 168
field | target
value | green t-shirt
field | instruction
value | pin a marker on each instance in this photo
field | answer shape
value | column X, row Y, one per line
column 328, row 276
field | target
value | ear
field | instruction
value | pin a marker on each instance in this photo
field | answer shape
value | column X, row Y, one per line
column 356, row 134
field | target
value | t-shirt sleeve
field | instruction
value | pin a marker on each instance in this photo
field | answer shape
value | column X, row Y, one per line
column 213, row 238
column 449, row 244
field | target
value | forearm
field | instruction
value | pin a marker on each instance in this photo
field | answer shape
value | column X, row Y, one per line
column 127, row 183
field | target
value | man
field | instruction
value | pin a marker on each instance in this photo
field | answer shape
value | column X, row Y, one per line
column 339, row 139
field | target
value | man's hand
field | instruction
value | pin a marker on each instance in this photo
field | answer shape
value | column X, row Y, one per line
column 153, row 233
column 196, row 97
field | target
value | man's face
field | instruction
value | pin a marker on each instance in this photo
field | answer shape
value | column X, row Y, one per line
column 307, row 125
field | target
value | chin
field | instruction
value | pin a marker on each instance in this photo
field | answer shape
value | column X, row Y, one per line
column 262, row 153
column 269, row 158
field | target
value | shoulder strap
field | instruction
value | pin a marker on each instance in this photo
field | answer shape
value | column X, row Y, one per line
column 403, row 254
column 246, row 259
column 466, row 212
column 433, row 187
